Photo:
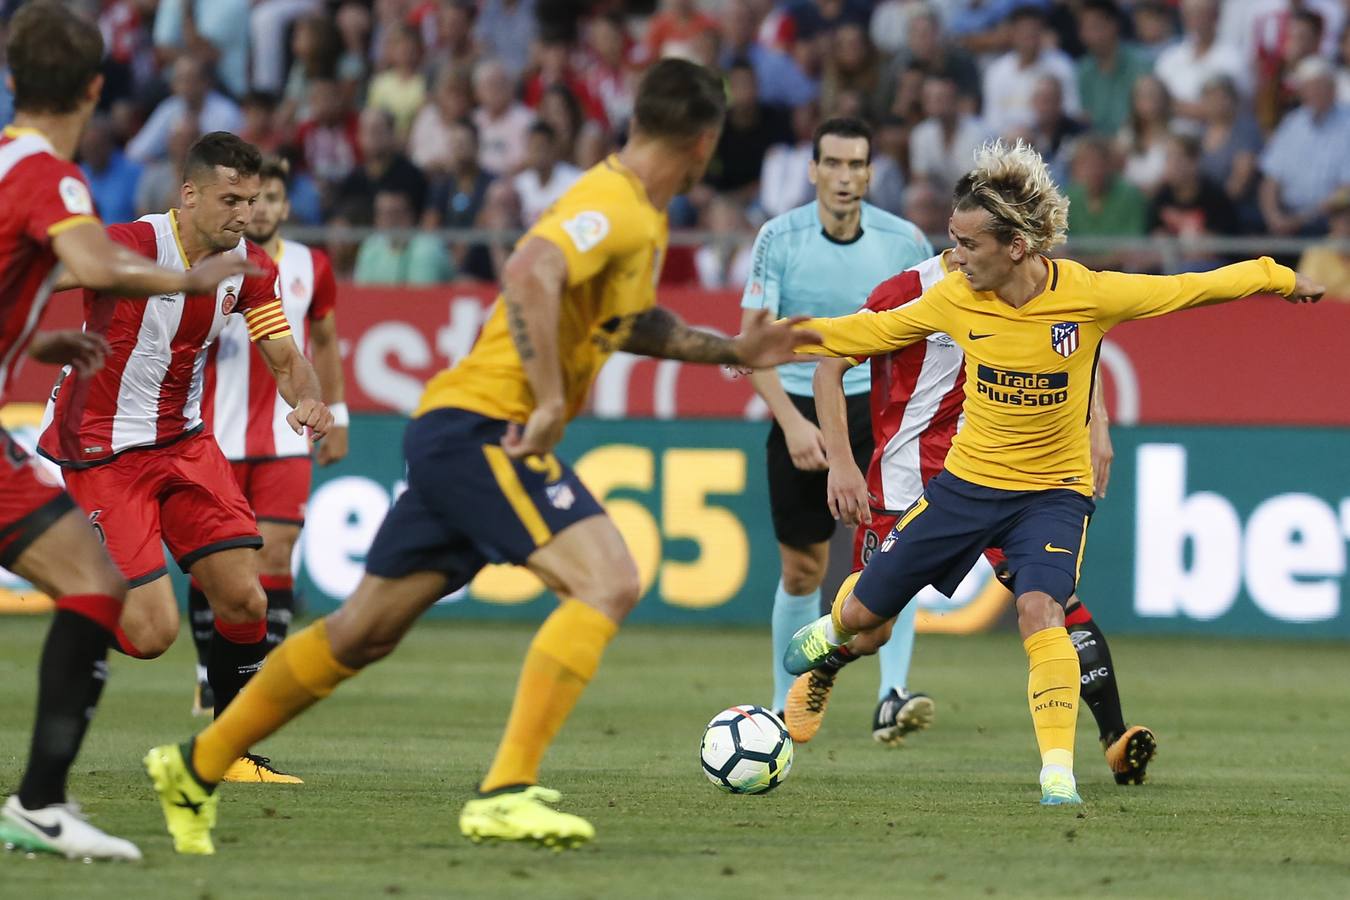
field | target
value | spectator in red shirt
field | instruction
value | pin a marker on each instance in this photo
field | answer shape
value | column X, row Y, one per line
column 329, row 149
column 675, row 30
column 553, row 68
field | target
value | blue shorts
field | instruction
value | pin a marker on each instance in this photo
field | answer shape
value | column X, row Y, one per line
column 938, row 539
column 469, row 504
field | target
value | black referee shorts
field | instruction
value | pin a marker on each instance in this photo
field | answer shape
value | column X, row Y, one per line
column 797, row 498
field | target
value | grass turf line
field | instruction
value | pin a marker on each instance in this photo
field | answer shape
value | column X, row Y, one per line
column 1247, row 799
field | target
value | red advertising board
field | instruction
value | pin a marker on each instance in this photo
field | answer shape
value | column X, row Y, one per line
column 1260, row 361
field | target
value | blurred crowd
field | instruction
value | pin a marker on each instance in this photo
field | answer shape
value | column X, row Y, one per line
column 1181, row 119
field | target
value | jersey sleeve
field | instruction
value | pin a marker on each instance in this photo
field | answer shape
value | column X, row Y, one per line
column 591, row 227
column 895, row 292
column 869, row 333
column 762, row 289
column 1121, row 297
column 56, row 198
column 260, row 300
column 324, row 301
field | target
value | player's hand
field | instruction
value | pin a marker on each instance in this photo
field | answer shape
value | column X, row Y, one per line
column 333, row 447
column 1306, row 290
column 206, row 276
column 541, row 433
column 311, row 414
column 82, row 351
column 1099, row 437
column 765, row 343
column 846, row 494
column 806, row 446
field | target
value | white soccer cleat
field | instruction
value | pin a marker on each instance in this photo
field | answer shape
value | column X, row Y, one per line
column 61, row 829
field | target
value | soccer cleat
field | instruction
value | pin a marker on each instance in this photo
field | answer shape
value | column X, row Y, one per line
column 203, row 700
column 524, row 815
column 901, row 714
column 1059, row 789
column 253, row 769
column 806, row 702
column 61, row 829
column 1129, row 755
column 189, row 808
column 808, row 647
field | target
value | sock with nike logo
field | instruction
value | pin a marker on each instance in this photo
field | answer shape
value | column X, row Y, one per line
column 1052, row 693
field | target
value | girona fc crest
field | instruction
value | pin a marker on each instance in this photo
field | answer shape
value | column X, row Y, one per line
column 227, row 305
column 1064, row 337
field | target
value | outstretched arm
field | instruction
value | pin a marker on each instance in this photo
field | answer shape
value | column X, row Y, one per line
column 95, row 261
column 1121, row 297
column 661, row 333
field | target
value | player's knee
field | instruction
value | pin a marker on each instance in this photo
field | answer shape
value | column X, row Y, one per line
column 620, row 591
column 150, row 636
column 238, row 604
column 802, row 573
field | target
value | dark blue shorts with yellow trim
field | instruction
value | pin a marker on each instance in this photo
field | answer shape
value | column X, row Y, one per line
column 939, row 538
column 469, row 504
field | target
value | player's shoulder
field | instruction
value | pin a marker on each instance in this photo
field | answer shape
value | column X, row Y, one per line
column 26, row 154
column 794, row 225
column 878, row 220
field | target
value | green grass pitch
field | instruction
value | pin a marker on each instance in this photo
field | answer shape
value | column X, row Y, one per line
column 1249, row 796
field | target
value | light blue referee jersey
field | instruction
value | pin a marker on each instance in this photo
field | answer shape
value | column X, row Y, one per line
column 799, row 270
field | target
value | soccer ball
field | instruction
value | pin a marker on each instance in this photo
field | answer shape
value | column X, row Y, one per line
column 746, row 750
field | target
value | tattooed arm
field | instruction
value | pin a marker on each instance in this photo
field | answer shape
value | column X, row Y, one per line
column 661, row 333
column 532, row 285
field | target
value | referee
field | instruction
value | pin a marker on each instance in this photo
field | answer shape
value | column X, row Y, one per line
column 821, row 259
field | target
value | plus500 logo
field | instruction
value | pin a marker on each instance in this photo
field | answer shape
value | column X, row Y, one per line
column 1290, row 554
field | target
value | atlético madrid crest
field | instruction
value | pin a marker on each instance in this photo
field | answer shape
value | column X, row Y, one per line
column 1064, row 337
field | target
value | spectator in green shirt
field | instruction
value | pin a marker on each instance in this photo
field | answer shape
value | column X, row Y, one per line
column 1101, row 202
column 384, row 259
column 1107, row 71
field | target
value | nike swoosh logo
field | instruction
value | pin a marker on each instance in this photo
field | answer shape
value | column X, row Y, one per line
column 979, row 337
column 51, row 831
column 1047, row 690
column 1050, row 549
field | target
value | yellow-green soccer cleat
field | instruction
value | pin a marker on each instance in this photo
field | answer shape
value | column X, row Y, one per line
column 523, row 815
column 1059, row 789
column 189, row 809
column 808, row 647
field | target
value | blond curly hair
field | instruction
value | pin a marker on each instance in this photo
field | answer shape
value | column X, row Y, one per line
column 1014, row 186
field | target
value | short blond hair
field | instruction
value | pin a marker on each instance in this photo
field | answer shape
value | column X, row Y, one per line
column 1014, row 186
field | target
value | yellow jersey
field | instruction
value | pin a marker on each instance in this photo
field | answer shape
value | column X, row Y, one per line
column 614, row 241
column 1029, row 369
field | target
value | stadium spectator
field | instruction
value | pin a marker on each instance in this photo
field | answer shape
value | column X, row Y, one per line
column 560, row 109
column 500, row 212
column 851, row 66
column 383, row 166
column 751, row 129
column 1101, row 202
column 1186, row 66
column 354, row 25
column 928, row 207
column 450, row 41
column 129, row 68
column 942, row 147
column 1188, row 206
column 1010, row 80
column 457, row 200
column 724, row 264
column 813, row 19
column 1306, row 160
column 608, row 73
column 1297, row 39
column 210, row 32
column 778, row 77
column 327, row 140
column 259, row 127
column 890, row 158
column 675, row 29
column 1154, row 29
column 907, row 101
column 927, row 51
column 553, row 69
column 545, row 176
column 1108, row 70
column 400, row 89
column 505, row 30
column 889, row 25
column 1052, row 130
column 192, row 98
column 1230, row 142
column 1143, row 140
column 400, row 259
column 161, row 182
column 269, row 21
column 315, row 44
column 783, row 183
column 112, row 177
column 502, row 122
column 1329, row 262
column 450, row 102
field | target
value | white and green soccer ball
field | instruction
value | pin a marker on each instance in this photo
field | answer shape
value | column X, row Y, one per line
column 746, row 750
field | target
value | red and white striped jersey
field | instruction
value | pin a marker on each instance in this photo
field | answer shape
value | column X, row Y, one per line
column 241, row 406
column 149, row 391
column 41, row 195
column 916, row 398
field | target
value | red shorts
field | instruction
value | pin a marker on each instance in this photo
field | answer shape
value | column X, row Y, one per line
column 30, row 500
column 869, row 537
column 277, row 489
column 183, row 495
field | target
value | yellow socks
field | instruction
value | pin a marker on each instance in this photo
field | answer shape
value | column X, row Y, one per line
column 841, row 634
column 1052, row 692
column 562, row 658
column 298, row 673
